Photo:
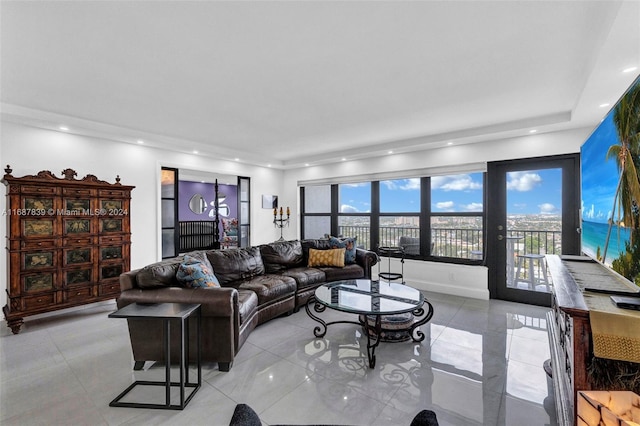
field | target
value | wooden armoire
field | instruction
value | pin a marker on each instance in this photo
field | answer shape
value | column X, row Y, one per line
column 68, row 241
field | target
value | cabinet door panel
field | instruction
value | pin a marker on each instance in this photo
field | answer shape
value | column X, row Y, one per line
column 109, row 253
column 110, row 271
column 110, row 225
column 37, row 203
column 38, row 282
column 77, row 226
column 34, row 228
column 76, row 256
column 78, row 276
column 38, row 260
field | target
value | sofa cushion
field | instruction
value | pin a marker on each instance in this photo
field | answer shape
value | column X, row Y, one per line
column 347, row 273
column 269, row 287
column 196, row 272
column 330, row 257
column 248, row 302
column 349, row 246
column 319, row 244
column 159, row 274
column 236, row 264
column 306, row 277
column 280, row 256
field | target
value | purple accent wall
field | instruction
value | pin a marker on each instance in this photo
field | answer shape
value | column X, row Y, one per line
column 187, row 189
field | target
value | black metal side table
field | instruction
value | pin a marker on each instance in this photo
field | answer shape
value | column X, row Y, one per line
column 166, row 312
column 388, row 252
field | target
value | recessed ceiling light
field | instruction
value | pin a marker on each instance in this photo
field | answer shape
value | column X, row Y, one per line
column 390, row 152
column 195, row 152
column 306, row 164
column 630, row 69
column 237, row 159
column 604, row 105
column 63, row 128
column 268, row 165
column 532, row 131
column 141, row 142
column 449, row 143
column 343, row 159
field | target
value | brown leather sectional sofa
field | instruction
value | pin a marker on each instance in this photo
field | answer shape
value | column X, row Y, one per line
column 257, row 284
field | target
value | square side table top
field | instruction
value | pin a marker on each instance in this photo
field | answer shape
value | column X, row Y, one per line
column 156, row 310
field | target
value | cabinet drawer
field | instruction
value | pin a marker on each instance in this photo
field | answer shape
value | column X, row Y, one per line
column 110, row 288
column 36, row 244
column 113, row 239
column 78, row 192
column 77, row 241
column 79, row 293
column 41, row 301
column 112, row 193
column 34, row 189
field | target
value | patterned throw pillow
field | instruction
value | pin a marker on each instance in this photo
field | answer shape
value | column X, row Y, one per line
column 194, row 273
column 349, row 244
column 331, row 257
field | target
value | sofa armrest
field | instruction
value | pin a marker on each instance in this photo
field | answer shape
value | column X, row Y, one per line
column 128, row 280
column 215, row 302
column 366, row 259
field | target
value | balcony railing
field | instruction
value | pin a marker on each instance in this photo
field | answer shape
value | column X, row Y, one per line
column 458, row 242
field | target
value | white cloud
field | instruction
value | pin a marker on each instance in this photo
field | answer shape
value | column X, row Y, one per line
column 522, row 181
column 346, row 208
column 454, row 183
column 445, row 205
column 547, row 208
column 473, row 207
column 403, row 184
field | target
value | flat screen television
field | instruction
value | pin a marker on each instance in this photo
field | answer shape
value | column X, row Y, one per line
column 610, row 169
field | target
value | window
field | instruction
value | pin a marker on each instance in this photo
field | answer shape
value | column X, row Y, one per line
column 457, row 215
column 316, row 204
column 440, row 217
column 354, row 202
column 400, row 215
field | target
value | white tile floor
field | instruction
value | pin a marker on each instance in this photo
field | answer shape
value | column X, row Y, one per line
column 481, row 364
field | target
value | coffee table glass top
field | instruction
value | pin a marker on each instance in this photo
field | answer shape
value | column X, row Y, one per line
column 369, row 297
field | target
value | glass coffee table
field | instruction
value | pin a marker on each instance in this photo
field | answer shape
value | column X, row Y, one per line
column 370, row 300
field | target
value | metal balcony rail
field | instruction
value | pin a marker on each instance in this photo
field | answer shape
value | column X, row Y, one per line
column 459, row 242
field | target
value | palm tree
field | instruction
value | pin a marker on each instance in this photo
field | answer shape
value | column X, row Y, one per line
column 626, row 117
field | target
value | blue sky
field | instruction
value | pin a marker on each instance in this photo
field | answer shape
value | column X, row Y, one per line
column 534, row 192
column 529, row 192
column 599, row 175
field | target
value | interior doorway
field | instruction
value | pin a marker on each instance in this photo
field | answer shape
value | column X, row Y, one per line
column 204, row 211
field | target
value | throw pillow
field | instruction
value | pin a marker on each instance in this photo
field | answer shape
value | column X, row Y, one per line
column 194, row 273
column 331, row 257
column 349, row 244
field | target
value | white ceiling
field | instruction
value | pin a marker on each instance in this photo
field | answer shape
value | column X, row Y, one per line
column 288, row 83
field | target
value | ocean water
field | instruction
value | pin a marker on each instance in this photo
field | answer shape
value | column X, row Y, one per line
column 594, row 235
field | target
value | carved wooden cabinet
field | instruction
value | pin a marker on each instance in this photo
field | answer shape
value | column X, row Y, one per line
column 68, row 241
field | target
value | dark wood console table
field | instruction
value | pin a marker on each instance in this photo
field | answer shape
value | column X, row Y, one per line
column 569, row 331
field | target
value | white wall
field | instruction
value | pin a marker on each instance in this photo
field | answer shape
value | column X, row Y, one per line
column 29, row 150
column 471, row 281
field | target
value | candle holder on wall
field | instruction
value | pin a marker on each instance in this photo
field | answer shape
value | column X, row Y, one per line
column 282, row 221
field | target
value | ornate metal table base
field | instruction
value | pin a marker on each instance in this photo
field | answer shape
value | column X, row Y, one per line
column 373, row 331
